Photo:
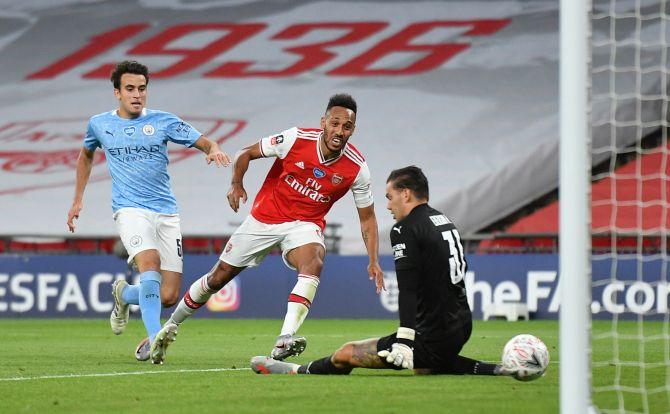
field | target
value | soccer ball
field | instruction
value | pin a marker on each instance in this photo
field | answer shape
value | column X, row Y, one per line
column 527, row 355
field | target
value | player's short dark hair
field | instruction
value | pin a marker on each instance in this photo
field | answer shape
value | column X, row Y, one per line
column 411, row 178
column 342, row 99
column 128, row 66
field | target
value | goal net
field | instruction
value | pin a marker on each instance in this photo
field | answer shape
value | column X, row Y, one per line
column 630, row 189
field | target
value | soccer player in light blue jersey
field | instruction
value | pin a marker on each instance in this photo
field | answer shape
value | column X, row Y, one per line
column 134, row 140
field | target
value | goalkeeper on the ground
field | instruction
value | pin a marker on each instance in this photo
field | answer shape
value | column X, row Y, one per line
column 435, row 319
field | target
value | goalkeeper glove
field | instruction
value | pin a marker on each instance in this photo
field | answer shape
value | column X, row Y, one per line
column 401, row 354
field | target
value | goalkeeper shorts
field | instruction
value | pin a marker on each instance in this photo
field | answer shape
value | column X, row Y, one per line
column 438, row 356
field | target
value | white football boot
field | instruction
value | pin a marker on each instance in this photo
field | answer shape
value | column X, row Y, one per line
column 266, row 365
column 163, row 339
column 288, row 345
column 121, row 311
column 142, row 352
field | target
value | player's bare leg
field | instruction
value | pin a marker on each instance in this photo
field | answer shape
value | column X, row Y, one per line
column 308, row 260
column 358, row 354
column 170, row 287
column 202, row 289
column 197, row 295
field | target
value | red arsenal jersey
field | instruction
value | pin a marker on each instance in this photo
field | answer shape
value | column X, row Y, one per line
column 301, row 185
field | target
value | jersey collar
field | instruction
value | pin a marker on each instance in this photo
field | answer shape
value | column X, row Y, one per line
column 115, row 113
column 322, row 159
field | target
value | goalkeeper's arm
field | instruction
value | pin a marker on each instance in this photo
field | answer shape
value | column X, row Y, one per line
column 402, row 354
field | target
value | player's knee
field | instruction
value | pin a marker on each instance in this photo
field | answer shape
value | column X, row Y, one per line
column 169, row 299
column 148, row 260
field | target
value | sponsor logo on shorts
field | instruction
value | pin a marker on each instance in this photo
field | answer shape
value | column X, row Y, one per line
column 129, row 131
column 148, row 129
column 319, row 173
column 226, row 299
column 337, row 179
column 229, row 247
column 135, row 241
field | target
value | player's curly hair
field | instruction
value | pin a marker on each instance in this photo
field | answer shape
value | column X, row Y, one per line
column 342, row 99
column 411, row 178
column 128, row 66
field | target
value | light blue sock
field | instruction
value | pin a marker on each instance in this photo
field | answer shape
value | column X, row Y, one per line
column 150, row 302
column 131, row 294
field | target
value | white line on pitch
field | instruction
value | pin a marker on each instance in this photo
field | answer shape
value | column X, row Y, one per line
column 120, row 374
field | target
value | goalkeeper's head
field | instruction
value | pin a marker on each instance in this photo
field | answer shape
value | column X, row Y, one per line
column 406, row 188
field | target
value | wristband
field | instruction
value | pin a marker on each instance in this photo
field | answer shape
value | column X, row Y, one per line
column 405, row 336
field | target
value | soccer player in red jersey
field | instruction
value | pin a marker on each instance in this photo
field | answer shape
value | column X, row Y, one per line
column 314, row 168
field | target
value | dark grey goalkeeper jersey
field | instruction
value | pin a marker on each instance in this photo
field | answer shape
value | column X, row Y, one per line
column 430, row 266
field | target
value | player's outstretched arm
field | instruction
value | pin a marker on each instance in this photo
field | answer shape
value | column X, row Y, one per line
column 84, row 166
column 240, row 166
column 212, row 152
column 370, row 235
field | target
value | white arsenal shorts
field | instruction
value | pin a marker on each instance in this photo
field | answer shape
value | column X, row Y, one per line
column 253, row 240
column 143, row 230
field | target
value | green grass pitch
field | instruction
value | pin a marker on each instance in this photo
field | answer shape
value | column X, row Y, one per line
column 73, row 365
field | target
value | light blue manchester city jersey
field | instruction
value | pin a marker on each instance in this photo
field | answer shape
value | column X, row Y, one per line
column 137, row 156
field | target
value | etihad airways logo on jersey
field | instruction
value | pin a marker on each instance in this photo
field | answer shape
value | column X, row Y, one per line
column 134, row 152
column 310, row 190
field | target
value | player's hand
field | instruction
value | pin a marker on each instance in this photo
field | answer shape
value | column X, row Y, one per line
column 219, row 157
column 376, row 274
column 73, row 214
column 400, row 355
column 236, row 192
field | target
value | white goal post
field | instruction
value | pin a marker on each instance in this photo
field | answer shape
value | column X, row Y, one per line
column 574, row 206
column 614, row 201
